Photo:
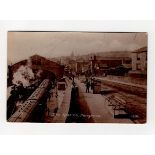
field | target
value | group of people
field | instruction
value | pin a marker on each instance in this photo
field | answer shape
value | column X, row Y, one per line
column 89, row 83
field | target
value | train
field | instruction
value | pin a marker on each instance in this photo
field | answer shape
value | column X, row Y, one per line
column 33, row 108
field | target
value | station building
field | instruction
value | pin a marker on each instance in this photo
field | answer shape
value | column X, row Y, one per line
column 101, row 64
column 50, row 69
column 139, row 63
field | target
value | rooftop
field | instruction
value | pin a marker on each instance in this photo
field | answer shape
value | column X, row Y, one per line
column 140, row 50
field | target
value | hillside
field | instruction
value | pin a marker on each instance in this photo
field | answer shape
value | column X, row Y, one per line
column 115, row 54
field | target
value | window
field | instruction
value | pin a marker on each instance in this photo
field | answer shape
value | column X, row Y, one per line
column 138, row 66
column 138, row 56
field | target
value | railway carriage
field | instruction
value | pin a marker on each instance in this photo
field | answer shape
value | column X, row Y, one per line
column 32, row 109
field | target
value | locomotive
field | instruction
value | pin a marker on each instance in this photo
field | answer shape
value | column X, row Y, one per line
column 32, row 109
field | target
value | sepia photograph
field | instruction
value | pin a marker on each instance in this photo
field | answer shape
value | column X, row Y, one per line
column 76, row 77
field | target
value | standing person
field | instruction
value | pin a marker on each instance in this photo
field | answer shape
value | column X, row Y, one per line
column 92, row 84
column 87, row 86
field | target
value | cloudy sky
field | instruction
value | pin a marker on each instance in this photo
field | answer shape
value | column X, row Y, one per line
column 22, row 45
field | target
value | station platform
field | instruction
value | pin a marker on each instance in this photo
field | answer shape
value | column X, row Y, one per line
column 132, row 88
column 124, row 83
column 58, row 105
column 99, row 110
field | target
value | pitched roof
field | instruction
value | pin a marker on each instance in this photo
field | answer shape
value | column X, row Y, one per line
column 140, row 50
column 45, row 59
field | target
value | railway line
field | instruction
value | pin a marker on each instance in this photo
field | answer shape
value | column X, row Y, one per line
column 133, row 104
column 123, row 104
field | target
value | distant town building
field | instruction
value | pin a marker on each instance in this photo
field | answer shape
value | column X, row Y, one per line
column 139, row 62
column 72, row 65
column 73, row 56
column 99, row 65
column 82, row 66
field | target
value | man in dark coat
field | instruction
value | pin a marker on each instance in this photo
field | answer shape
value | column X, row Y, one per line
column 87, row 86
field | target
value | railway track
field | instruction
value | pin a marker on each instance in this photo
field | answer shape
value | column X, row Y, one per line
column 134, row 104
